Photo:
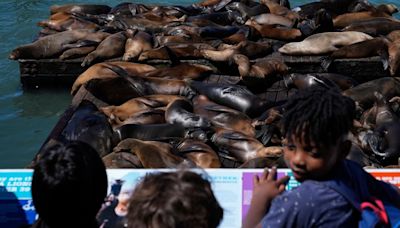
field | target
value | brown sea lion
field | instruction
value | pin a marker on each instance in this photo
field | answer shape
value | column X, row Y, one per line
column 347, row 19
column 233, row 96
column 243, row 148
column 375, row 26
column 367, row 48
column 181, row 71
column 152, row 154
column 222, row 116
column 264, row 162
column 145, row 117
column 53, row 45
column 76, row 52
column 322, row 43
column 276, row 8
column 80, row 8
column 112, row 46
column 394, row 57
column 363, row 94
column 180, row 111
column 137, row 42
column 121, row 159
column 102, row 70
column 261, row 69
column 181, row 51
column 71, row 23
column 127, row 109
column 270, row 31
column 150, row 131
column 198, row 152
column 394, row 35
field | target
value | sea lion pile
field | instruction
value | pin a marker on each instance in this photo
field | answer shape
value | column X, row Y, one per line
column 163, row 116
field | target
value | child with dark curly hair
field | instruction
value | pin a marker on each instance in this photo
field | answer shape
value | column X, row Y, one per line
column 181, row 199
column 315, row 123
column 69, row 185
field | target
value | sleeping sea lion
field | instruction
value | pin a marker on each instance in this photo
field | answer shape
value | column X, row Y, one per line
column 136, row 43
column 121, row 159
column 374, row 26
column 80, row 8
column 180, row 111
column 198, row 152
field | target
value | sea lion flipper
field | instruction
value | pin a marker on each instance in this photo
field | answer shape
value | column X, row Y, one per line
column 384, row 58
column 326, row 62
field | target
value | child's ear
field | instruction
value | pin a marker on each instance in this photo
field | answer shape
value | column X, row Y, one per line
column 344, row 148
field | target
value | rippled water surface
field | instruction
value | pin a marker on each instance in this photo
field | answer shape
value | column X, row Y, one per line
column 26, row 118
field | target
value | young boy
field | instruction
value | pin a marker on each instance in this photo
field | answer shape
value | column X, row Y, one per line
column 315, row 125
column 174, row 199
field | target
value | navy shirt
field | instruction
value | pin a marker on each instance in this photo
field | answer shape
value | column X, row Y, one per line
column 313, row 204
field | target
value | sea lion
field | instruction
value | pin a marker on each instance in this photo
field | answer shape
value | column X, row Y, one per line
column 270, row 19
column 181, row 51
column 363, row 49
column 301, row 81
column 102, row 70
column 181, row 71
column 80, row 8
column 121, row 159
column 394, row 57
column 150, row 131
column 243, row 148
column 347, row 19
column 363, row 94
column 152, row 154
column 222, row 116
column 127, row 109
column 279, row 33
column 394, row 35
column 180, row 111
column 375, row 26
column 260, row 69
column 89, row 125
column 71, row 23
column 319, row 23
column 147, row 116
column 233, row 96
column 112, row 46
column 198, row 152
column 276, row 8
column 53, row 45
column 264, row 162
column 322, row 43
column 379, row 114
column 76, row 52
column 137, row 42
column 246, row 11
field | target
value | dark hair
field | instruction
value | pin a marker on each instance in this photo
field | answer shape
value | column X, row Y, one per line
column 69, row 185
column 322, row 115
column 174, row 200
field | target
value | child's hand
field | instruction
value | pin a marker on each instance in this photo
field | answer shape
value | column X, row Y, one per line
column 267, row 187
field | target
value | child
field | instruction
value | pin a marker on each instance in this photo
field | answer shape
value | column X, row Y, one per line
column 173, row 199
column 315, row 125
column 69, row 185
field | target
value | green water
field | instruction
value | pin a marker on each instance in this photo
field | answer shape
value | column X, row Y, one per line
column 26, row 118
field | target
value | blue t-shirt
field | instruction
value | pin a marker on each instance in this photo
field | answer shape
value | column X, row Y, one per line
column 313, row 204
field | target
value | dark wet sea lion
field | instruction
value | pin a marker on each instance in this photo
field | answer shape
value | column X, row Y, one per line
column 76, row 52
column 53, row 45
column 152, row 154
column 247, row 11
column 138, row 104
column 243, row 148
column 150, row 131
column 232, row 96
column 121, row 159
column 137, row 43
column 379, row 114
column 198, row 152
column 364, row 93
column 342, row 81
column 102, row 70
column 375, row 26
column 112, row 46
column 180, row 111
column 222, row 116
column 322, row 43
column 304, row 81
column 181, row 71
column 320, row 22
column 368, row 48
column 89, row 125
column 80, row 8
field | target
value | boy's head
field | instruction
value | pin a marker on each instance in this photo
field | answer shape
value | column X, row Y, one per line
column 174, row 199
column 69, row 185
column 316, row 122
